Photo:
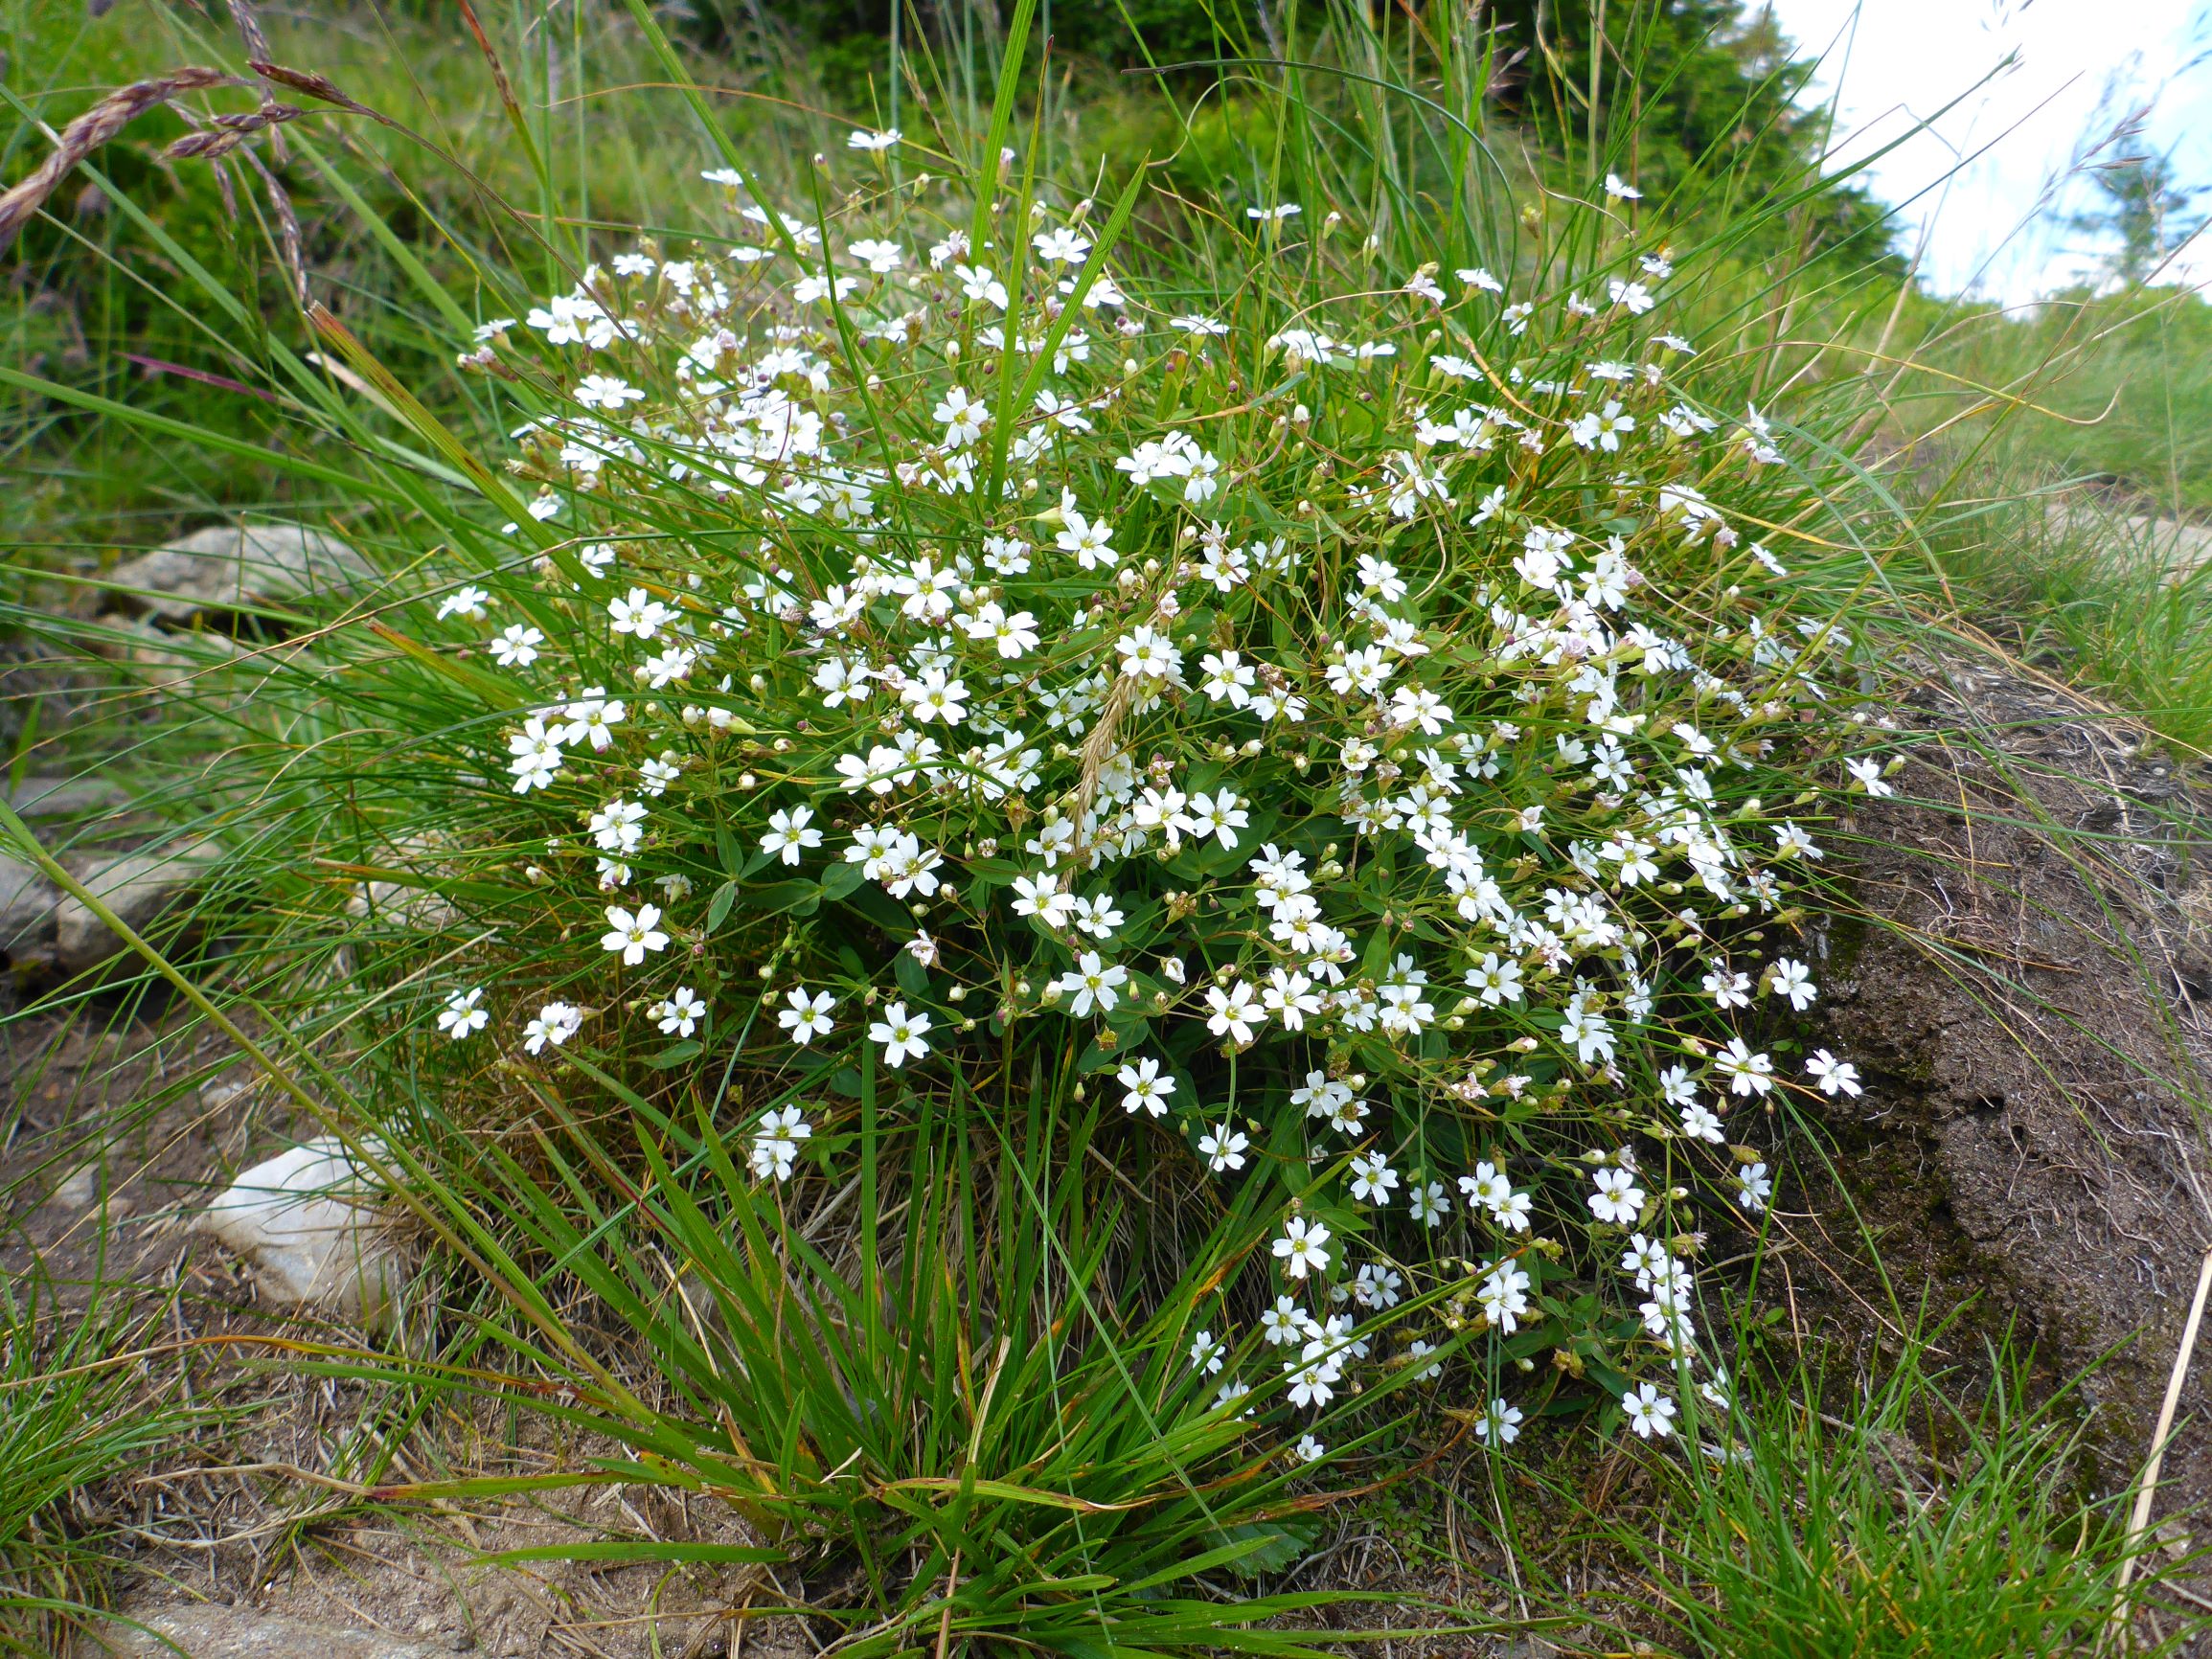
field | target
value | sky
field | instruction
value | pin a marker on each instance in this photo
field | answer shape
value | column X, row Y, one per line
column 2013, row 140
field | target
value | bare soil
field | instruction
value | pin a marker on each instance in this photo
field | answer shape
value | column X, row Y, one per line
column 2023, row 976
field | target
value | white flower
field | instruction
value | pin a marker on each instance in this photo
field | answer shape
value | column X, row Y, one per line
column 1866, row 775
column 618, row 827
column 1274, row 214
column 1313, row 1384
column 809, row 289
column 1372, row 1180
column 1301, row 1248
column 1700, row 1124
column 902, row 1034
column 1792, row 979
column 807, row 1017
column 880, row 257
column 554, row 1023
column 1235, row 1014
column 1620, row 192
column 1223, row 1149
column 1012, row 635
column 1617, row 1197
column 464, row 601
column 518, row 647
column 1650, row 1413
column 1427, row 1204
column 790, row 833
column 1206, row 1352
column 1061, row 247
column 1219, row 815
column 638, row 613
column 1284, row 1324
column 633, row 935
column 606, row 392
column 1499, row 1423
column 1490, row 1188
column 1833, row 1076
column 1753, row 1189
column 1747, row 1073
column 1308, row 1451
column 679, row 1012
column 1147, row 1087
column 1093, row 981
column 873, row 141
column 1091, row 541
column 776, row 1142
column 464, row 1015
column 537, row 754
column 934, row 696
column 1148, row 655
column 965, row 418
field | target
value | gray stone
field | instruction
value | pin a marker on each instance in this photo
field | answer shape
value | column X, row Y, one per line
column 2176, row 543
column 306, row 1221
column 67, row 799
column 163, row 660
column 139, row 887
column 212, row 1633
column 29, row 906
column 230, row 567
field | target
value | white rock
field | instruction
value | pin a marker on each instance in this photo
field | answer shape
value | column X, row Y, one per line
column 308, row 1221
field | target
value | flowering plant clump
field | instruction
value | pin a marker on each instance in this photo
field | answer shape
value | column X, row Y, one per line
column 1353, row 737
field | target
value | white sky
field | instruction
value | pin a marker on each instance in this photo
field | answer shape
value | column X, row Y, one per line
column 2083, row 64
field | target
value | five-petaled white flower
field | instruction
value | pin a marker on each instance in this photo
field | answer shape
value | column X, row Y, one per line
column 554, row 1023
column 1148, row 1087
column 905, row 1036
column 464, row 1014
column 1617, row 1197
column 633, row 935
column 1650, row 1413
column 1093, row 981
column 1834, row 1076
column 1302, row 1248
column 679, row 1012
column 791, row 833
column 1223, row 1149
column 808, row 1016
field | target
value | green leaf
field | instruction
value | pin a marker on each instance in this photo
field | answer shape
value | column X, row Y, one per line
column 799, row 896
column 913, row 978
column 718, row 909
column 498, row 693
column 676, row 1053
